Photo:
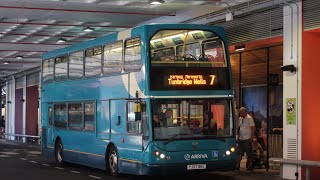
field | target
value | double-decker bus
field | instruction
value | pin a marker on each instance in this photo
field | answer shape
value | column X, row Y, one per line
column 155, row 99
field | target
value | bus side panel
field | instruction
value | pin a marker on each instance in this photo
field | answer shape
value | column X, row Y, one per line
column 103, row 121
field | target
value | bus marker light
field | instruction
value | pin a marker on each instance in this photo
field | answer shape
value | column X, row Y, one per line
column 162, row 156
column 156, row 153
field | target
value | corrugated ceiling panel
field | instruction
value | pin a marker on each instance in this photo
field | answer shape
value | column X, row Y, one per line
column 259, row 25
column 311, row 14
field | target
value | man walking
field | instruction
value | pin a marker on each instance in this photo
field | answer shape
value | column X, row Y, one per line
column 246, row 133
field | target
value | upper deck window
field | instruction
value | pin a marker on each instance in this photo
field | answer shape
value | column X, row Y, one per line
column 61, row 68
column 93, row 61
column 132, row 60
column 188, row 60
column 187, row 48
column 112, row 62
column 76, row 65
column 47, row 70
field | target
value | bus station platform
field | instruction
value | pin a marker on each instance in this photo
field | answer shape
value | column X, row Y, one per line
column 20, row 160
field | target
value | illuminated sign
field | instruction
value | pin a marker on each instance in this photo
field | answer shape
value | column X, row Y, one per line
column 191, row 78
column 186, row 80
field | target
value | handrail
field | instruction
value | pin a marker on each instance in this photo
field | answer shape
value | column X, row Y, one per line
column 305, row 163
column 21, row 135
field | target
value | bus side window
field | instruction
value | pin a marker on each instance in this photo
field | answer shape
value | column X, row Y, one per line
column 76, row 65
column 144, row 118
column 133, row 118
column 61, row 68
column 132, row 59
column 47, row 70
column 75, row 116
column 89, row 124
column 60, row 115
column 112, row 59
column 93, row 61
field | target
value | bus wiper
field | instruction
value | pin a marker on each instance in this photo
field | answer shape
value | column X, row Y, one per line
column 173, row 137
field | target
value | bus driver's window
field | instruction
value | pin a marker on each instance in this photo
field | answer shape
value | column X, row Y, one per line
column 134, row 117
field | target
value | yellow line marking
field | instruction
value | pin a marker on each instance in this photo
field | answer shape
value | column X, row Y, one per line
column 83, row 152
column 129, row 160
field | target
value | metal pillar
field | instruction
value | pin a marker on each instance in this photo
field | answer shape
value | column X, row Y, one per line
column 268, row 58
column 1, row 100
column 240, row 84
column 24, row 98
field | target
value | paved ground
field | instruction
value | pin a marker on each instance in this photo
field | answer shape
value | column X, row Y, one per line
column 21, row 161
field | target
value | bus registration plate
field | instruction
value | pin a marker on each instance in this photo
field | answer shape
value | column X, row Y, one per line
column 196, row 166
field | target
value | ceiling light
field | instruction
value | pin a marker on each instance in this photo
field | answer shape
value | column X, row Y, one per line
column 6, row 62
column 88, row 29
column 229, row 16
column 156, row 2
column 19, row 57
column 240, row 47
column 61, row 40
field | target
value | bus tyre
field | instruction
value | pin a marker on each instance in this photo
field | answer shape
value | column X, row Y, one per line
column 112, row 161
column 59, row 153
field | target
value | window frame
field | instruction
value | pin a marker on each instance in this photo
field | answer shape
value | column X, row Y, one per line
column 85, row 60
column 122, row 57
column 94, row 115
column 135, row 122
column 54, row 122
column 82, row 117
column 124, row 53
column 54, row 69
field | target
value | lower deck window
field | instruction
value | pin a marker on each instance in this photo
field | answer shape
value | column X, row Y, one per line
column 60, row 115
column 75, row 116
column 89, row 124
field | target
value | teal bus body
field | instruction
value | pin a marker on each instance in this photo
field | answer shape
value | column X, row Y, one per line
column 142, row 152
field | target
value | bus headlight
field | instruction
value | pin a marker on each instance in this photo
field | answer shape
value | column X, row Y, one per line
column 228, row 153
column 162, row 156
column 233, row 149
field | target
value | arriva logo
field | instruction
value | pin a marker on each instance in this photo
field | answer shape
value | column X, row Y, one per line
column 195, row 156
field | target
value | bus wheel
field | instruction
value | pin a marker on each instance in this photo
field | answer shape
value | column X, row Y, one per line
column 59, row 152
column 113, row 161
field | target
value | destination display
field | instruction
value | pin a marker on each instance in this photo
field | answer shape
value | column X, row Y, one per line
column 189, row 79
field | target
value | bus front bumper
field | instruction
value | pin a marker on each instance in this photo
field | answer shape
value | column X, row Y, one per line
column 180, row 168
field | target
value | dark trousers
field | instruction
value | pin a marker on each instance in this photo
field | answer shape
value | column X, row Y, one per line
column 244, row 146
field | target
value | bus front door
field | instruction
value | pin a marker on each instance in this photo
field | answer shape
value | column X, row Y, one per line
column 126, row 132
column 50, row 134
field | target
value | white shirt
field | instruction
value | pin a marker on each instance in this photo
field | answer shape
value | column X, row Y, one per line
column 245, row 125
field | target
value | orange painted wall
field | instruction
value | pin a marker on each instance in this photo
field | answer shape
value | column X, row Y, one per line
column 311, row 98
